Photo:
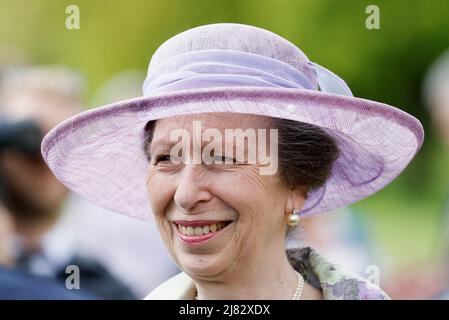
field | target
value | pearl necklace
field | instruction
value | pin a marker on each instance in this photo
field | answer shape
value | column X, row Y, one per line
column 299, row 287
column 298, row 292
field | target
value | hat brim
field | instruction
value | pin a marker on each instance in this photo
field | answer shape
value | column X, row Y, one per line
column 99, row 153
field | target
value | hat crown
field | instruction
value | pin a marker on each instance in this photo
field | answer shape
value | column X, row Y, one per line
column 235, row 37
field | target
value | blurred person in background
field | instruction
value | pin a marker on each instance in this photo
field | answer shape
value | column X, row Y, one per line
column 6, row 228
column 431, row 279
column 32, row 101
column 15, row 284
column 436, row 95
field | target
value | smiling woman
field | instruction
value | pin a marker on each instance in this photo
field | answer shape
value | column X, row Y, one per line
column 216, row 219
column 221, row 219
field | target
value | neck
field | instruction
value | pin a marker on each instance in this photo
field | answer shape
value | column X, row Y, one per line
column 269, row 278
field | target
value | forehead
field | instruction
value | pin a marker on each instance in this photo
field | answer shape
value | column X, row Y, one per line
column 220, row 121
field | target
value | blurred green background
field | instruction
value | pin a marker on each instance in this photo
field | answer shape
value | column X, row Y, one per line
column 387, row 65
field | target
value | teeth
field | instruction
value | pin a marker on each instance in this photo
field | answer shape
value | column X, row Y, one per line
column 198, row 231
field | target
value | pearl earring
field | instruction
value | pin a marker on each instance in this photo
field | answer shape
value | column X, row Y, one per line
column 293, row 218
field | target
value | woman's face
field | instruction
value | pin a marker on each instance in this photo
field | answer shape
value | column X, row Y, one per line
column 215, row 218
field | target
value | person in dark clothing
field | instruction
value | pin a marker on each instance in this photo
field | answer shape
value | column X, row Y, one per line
column 16, row 285
column 32, row 101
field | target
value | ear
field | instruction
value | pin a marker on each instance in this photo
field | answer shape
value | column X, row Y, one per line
column 296, row 200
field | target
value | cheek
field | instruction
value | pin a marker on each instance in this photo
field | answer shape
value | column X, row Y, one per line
column 258, row 192
column 259, row 200
column 159, row 198
column 160, row 191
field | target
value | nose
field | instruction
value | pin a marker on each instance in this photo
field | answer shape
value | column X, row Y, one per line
column 192, row 188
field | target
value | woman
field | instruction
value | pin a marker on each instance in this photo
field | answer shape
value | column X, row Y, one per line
column 223, row 209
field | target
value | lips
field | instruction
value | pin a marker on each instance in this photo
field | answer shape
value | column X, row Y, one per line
column 199, row 231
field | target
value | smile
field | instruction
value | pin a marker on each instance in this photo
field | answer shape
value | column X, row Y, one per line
column 194, row 232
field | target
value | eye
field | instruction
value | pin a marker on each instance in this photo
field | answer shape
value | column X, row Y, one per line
column 162, row 159
column 219, row 159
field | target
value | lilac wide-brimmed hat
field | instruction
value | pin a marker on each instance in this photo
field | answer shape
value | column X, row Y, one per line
column 241, row 69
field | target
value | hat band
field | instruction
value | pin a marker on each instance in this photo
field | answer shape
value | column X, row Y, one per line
column 222, row 68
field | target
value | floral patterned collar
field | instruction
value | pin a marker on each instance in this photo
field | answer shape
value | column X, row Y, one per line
column 335, row 282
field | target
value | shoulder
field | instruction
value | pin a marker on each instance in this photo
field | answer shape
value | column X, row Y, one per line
column 334, row 281
column 338, row 283
column 179, row 287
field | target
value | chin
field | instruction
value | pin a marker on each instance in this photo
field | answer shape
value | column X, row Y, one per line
column 203, row 266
